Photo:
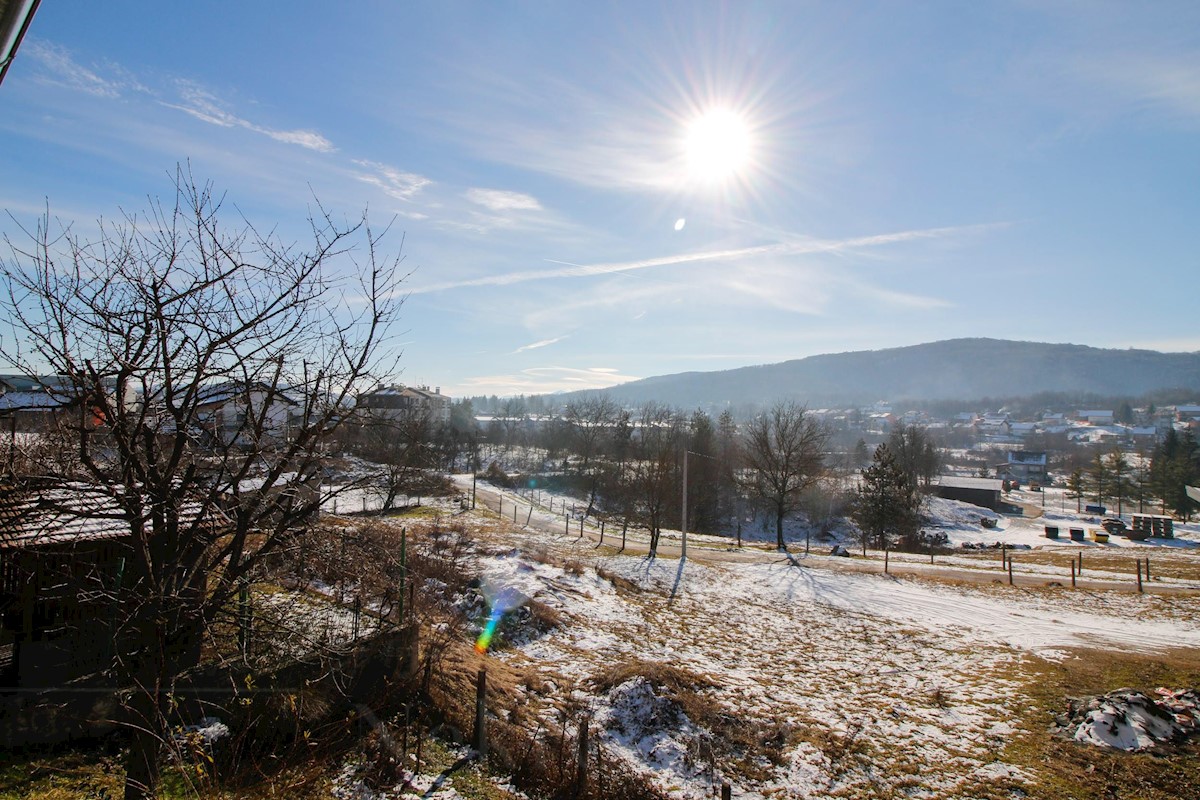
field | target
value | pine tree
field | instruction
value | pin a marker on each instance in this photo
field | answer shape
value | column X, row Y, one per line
column 886, row 502
column 1075, row 488
column 1118, row 469
column 1099, row 480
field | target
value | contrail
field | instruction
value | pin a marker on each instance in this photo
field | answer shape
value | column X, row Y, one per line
column 571, row 270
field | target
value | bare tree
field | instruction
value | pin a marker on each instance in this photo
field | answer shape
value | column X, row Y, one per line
column 916, row 453
column 785, row 454
column 153, row 324
column 655, row 466
column 589, row 421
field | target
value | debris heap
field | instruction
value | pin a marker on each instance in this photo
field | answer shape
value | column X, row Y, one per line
column 1129, row 720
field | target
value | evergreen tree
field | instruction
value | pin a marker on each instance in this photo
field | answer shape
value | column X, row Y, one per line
column 1075, row 488
column 1124, row 413
column 728, row 492
column 1119, row 478
column 862, row 455
column 1174, row 466
column 1099, row 480
column 886, row 503
column 703, row 474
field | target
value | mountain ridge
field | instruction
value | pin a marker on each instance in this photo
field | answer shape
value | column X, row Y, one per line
column 950, row 369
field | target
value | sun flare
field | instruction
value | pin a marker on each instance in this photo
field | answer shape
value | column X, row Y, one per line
column 717, row 145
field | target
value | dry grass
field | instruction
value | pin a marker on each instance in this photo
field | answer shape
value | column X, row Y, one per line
column 1179, row 564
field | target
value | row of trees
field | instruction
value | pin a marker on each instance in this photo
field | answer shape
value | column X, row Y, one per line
column 630, row 463
column 1114, row 479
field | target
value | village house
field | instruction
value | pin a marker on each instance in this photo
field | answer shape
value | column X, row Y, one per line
column 228, row 411
column 1095, row 417
column 1026, row 466
column 397, row 403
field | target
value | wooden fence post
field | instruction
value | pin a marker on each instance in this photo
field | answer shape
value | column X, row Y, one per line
column 1139, row 574
column 1010, row 578
column 481, row 742
column 601, row 531
column 726, row 791
column 1147, row 567
column 886, row 554
column 1072, row 573
column 566, row 525
column 581, row 756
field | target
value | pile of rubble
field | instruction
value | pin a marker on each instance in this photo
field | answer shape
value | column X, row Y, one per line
column 1130, row 720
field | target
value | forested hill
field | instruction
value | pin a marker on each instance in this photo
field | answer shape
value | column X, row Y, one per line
column 962, row 369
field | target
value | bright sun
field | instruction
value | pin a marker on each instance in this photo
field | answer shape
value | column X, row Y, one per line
column 717, row 145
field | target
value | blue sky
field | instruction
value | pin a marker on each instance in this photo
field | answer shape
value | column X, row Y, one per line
column 897, row 172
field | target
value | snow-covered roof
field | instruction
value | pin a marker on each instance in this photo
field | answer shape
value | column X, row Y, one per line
column 63, row 512
column 957, row 482
column 32, row 401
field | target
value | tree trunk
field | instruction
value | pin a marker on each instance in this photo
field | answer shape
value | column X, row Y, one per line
column 779, row 528
column 141, row 767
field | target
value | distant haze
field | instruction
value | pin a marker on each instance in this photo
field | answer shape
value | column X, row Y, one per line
column 953, row 369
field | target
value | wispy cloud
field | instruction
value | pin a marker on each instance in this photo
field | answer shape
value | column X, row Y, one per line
column 206, row 107
column 63, row 70
column 393, row 182
column 501, row 201
column 538, row 345
column 793, row 248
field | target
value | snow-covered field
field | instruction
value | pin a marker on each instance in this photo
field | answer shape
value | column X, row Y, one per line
column 854, row 684
column 877, row 684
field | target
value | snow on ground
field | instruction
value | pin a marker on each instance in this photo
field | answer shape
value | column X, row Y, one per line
column 787, row 646
column 959, row 521
column 866, row 670
column 878, row 683
column 1133, row 721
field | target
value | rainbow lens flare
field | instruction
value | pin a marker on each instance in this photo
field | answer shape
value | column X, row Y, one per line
column 501, row 602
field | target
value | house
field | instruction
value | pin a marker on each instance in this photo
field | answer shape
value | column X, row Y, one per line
column 400, row 402
column 1095, row 417
column 881, row 422
column 231, row 411
column 1025, row 466
column 1143, row 433
column 54, row 566
column 983, row 492
column 65, row 550
column 1187, row 413
column 32, row 403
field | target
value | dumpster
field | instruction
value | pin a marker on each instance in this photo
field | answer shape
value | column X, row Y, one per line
column 1051, row 531
column 1099, row 535
column 1076, row 534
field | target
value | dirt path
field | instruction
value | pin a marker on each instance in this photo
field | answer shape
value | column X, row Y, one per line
column 541, row 521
